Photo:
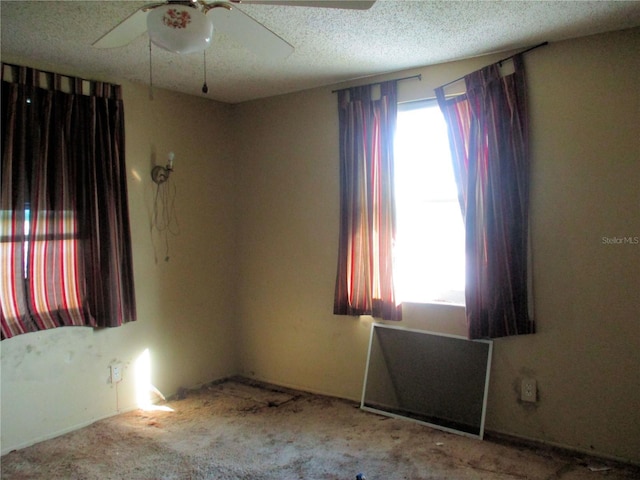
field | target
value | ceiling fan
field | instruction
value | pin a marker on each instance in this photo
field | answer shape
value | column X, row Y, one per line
column 187, row 26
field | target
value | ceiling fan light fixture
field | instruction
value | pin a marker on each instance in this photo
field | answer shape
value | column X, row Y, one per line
column 179, row 28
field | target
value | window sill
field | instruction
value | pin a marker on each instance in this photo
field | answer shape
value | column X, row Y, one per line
column 436, row 302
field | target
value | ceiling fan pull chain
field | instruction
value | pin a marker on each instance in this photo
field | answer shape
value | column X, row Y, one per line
column 205, row 89
column 150, row 73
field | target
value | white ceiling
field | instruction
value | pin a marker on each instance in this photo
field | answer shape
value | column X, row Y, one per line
column 331, row 45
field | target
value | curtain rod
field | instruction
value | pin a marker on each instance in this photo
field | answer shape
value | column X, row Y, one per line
column 418, row 76
column 500, row 61
column 47, row 72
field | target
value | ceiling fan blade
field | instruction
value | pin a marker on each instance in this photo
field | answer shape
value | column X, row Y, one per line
column 126, row 31
column 250, row 33
column 344, row 4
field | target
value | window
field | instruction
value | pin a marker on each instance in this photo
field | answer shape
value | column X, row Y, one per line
column 47, row 253
column 27, row 229
column 429, row 252
column 62, row 163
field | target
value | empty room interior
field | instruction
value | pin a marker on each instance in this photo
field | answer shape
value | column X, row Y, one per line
column 234, row 254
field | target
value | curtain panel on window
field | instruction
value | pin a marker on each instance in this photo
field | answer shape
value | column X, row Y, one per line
column 65, row 248
column 364, row 283
column 488, row 134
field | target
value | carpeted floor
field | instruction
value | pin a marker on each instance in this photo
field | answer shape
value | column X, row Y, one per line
column 238, row 430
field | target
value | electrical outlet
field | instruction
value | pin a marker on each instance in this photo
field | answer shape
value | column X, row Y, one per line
column 528, row 391
column 116, row 373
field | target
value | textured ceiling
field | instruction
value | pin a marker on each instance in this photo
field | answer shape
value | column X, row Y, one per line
column 331, row 45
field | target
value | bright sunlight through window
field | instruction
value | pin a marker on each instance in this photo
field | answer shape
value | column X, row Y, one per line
column 429, row 252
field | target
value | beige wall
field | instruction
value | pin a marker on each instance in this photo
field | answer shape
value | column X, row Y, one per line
column 249, row 285
column 55, row 381
column 585, row 135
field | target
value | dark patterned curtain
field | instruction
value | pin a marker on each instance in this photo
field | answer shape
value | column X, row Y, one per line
column 488, row 133
column 364, row 283
column 65, row 247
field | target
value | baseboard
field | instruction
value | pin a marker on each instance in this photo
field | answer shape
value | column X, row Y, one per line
column 534, row 443
column 275, row 384
column 64, row 431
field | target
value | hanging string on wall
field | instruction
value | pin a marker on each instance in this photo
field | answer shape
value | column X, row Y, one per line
column 165, row 220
